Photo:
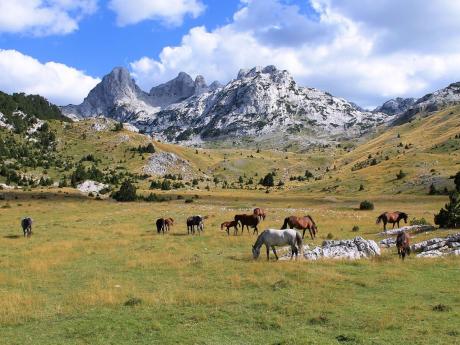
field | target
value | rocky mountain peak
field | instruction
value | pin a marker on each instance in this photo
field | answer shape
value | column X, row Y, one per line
column 396, row 105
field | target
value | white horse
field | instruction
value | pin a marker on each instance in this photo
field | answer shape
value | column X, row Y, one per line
column 272, row 238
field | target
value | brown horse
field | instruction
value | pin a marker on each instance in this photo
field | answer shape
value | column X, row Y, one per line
column 260, row 212
column 301, row 223
column 250, row 220
column 402, row 243
column 391, row 217
column 168, row 223
column 228, row 225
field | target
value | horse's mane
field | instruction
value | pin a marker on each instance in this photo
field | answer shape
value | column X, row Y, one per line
column 311, row 219
column 259, row 239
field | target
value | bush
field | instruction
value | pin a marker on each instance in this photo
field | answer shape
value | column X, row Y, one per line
column 355, row 228
column 330, row 236
column 189, row 201
column 449, row 216
column 366, row 205
column 421, row 221
column 127, row 192
column 268, row 180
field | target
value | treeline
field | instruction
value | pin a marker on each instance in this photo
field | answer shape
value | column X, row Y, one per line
column 32, row 105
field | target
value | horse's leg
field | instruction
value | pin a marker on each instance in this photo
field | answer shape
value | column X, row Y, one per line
column 274, row 252
column 384, row 225
column 268, row 252
column 311, row 234
column 255, row 230
column 303, row 234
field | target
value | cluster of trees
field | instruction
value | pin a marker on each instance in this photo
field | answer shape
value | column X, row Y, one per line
column 306, row 177
column 149, row 148
column 449, row 215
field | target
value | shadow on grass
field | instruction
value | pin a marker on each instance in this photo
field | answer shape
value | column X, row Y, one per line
column 240, row 259
column 12, row 237
column 179, row 234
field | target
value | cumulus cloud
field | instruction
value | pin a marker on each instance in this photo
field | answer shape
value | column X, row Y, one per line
column 57, row 82
column 43, row 17
column 170, row 12
column 342, row 47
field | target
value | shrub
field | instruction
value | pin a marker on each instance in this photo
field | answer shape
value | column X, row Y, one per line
column 366, row 205
column 127, row 192
column 361, row 187
column 330, row 236
column 449, row 216
column 421, row 221
column 118, row 127
column 189, row 201
column 268, row 180
column 355, row 228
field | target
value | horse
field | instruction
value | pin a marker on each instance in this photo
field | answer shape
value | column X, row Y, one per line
column 402, row 243
column 391, row 217
column 228, row 225
column 301, row 223
column 195, row 221
column 161, row 225
column 272, row 238
column 168, row 223
column 250, row 220
column 260, row 212
column 26, row 224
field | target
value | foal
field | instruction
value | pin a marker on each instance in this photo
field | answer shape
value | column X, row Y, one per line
column 228, row 225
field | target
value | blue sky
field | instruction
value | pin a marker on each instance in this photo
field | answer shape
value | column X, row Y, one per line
column 366, row 51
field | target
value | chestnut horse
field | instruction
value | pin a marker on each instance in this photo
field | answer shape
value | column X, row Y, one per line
column 301, row 223
column 168, row 223
column 250, row 220
column 391, row 217
column 228, row 225
column 260, row 212
column 402, row 243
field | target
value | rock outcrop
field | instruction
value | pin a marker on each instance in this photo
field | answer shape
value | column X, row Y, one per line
column 438, row 246
column 396, row 106
column 410, row 228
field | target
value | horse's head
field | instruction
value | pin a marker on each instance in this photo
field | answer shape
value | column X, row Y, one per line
column 255, row 252
column 404, row 216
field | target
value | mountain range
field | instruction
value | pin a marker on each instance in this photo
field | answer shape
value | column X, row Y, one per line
column 260, row 103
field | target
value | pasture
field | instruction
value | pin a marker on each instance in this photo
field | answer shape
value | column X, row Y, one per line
column 96, row 272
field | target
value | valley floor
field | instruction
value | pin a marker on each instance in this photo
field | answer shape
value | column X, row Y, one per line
column 96, row 272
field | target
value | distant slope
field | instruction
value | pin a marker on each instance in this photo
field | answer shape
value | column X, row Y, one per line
column 427, row 150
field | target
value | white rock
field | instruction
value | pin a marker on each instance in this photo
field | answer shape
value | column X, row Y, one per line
column 91, row 186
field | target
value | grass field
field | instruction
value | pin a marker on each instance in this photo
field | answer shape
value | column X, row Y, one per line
column 69, row 282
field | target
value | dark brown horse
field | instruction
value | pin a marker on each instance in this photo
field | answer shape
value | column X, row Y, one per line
column 402, row 243
column 391, row 217
column 195, row 221
column 161, row 225
column 250, row 220
column 228, row 225
column 301, row 223
column 260, row 212
column 26, row 224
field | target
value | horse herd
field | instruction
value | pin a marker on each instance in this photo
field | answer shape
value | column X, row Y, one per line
column 287, row 235
column 271, row 238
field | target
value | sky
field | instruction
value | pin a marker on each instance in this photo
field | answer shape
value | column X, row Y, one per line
column 366, row 51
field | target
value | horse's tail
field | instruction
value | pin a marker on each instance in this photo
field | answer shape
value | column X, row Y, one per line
column 222, row 226
column 299, row 242
column 379, row 219
column 285, row 224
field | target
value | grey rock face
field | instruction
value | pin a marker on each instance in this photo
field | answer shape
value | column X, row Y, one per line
column 177, row 89
column 435, row 101
column 437, row 247
column 396, row 106
column 409, row 228
column 117, row 96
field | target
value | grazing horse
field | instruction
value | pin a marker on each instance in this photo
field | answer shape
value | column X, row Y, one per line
column 26, row 224
column 272, row 238
column 260, row 212
column 168, row 223
column 250, row 220
column 391, row 217
column 402, row 243
column 301, row 223
column 195, row 221
column 161, row 225
column 228, row 225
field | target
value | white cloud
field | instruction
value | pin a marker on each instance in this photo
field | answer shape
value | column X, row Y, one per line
column 43, row 17
column 346, row 50
column 170, row 12
column 57, row 82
